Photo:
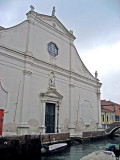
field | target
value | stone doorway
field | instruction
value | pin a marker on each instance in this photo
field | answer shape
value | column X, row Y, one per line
column 50, row 118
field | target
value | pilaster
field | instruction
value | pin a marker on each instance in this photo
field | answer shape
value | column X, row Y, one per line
column 23, row 126
column 42, row 127
column 72, row 103
column 99, row 104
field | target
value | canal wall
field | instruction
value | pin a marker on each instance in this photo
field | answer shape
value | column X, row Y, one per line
column 89, row 137
column 27, row 146
column 93, row 134
column 55, row 138
column 20, row 147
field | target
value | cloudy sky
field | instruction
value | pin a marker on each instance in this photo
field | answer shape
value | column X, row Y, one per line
column 96, row 25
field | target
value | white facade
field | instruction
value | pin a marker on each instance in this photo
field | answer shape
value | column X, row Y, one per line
column 30, row 78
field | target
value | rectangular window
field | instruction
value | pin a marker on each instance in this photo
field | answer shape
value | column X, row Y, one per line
column 113, row 118
column 107, row 118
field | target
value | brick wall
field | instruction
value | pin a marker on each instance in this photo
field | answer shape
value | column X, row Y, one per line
column 93, row 134
column 112, row 126
column 55, row 137
column 47, row 138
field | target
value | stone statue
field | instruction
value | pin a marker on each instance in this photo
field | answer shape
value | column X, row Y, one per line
column 52, row 79
column 53, row 11
column 32, row 8
column 96, row 74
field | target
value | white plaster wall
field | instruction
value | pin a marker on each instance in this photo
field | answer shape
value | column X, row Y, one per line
column 83, row 86
column 38, row 45
column 78, row 66
column 11, row 76
column 90, row 97
column 62, row 85
column 15, row 37
column 39, row 83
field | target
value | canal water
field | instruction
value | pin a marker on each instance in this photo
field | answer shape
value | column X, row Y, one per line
column 76, row 152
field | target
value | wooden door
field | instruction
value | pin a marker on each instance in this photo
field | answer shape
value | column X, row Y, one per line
column 50, row 118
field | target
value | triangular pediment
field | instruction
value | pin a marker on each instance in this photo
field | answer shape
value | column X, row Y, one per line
column 51, row 93
column 53, row 22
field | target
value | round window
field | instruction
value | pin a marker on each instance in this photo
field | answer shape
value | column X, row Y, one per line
column 52, row 49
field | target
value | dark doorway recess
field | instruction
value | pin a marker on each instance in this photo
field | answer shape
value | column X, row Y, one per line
column 50, row 118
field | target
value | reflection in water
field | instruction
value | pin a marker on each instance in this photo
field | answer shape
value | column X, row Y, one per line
column 79, row 151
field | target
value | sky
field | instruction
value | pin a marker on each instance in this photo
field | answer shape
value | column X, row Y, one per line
column 96, row 26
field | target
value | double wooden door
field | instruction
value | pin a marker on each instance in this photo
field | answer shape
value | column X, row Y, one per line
column 50, row 118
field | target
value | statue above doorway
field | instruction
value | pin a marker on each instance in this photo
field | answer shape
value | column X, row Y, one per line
column 52, row 80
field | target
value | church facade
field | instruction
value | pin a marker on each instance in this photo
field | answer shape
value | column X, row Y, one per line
column 44, row 85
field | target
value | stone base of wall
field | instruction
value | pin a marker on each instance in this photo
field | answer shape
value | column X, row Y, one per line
column 20, row 147
column 57, row 137
column 27, row 146
column 92, row 134
column 44, row 138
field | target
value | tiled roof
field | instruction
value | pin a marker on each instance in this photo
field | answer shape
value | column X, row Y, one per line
column 108, row 108
column 110, row 103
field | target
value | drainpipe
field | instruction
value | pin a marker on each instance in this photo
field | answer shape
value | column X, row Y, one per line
column 58, row 118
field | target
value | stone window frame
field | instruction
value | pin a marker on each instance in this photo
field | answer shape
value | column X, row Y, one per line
column 50, row 50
